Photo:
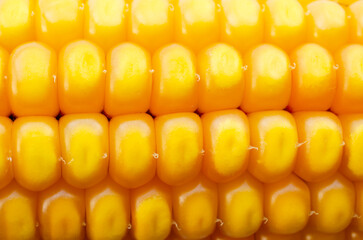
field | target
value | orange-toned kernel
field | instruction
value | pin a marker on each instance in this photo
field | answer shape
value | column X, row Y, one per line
column 219, row 236
column 128, row 81
column 358, row 221
column 16, row 22
column 179, row 142
column 4, row 101
column 196, row 23
column 352, row 165
column 36, row 152
column 285, row 24
column 321, row 145
column 327, row 24
column 310, row 233
column 241, row 23
column 195, row 208
column 61, row 212
column 57, row 22
column 32, row 88
column 132, row 145
column 264, row 234
column 226, row 144
column 107, row 211
column 352, row 233
column 333, row 200
column 151, row 23
column 174, row 81
column 84, row 146
column 18, row 216
column 268, row 79
column 221, row 78
column 287, row 205
column 355, row 11
column 349, row 95
column 240, row 206
column 274, row 135
column 313, row 79
column 151, row 211
column 105, row 22
column 81, row 83
column 6, row 166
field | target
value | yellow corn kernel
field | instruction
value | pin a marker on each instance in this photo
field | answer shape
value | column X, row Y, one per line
column 352, row 233
column 105, row 22
column 151, row 23
column 16, row 22
column 107, row 211
column 18, row 216
column 311, row 234
column 285, row 24
column 274, row 137
column 264, row 234
column 355, row 11
column 358, row 222
column 333, row 200
column 268, row 79
column 321, row 138
column 84, row 146
column 241, row 23
column 226, row 144
column 4, row 101
column 313, row 79
column 132, row 145
column 327, row 24
column 58, row 22
column 81, row 83
column 6, row 166
column 349, row 94
column 287, row 205
column 196, row 23
column 36, row 152
column 195, row 208
column 61, row 212
column 174, row 81
column 128, row 81
column 221, row 78
column 240, row 206
column 151, row 211
column 32, row 89
column 179, row 142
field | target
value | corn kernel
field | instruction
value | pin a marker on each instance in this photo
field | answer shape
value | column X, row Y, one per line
column 321, row 138
column 196, row 23
column 349, row 93
column 32, row 88
column 132, row 145
column 61, row 212
column 195, row 208
column 57, row 22
column 6, row 166
column 274, row 135
column 226, row 144
column 151, row 212
column 313, row 79
column 241, row 23
column 263, row 234
column 107, row 211
column 221, row 78
column 355, row 11
column 358, row 222
column 353, row 234
column 179, row 142
column 84, row 146
column 327, row 24
column 16, row 22
column 268, row 79
column 174, row 81
column 151, row 23
column 4, row 101
column 128, row 81
column 105, row 22
column 81, row 84
column 285, row 24
column 333, row 200
column 240, row 206
column 310, row 234
column 36, row 152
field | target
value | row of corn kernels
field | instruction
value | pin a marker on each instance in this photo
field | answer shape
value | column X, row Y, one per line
column 239, row 208
column 153, row 23
column 84, row 148
column 174, row 80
